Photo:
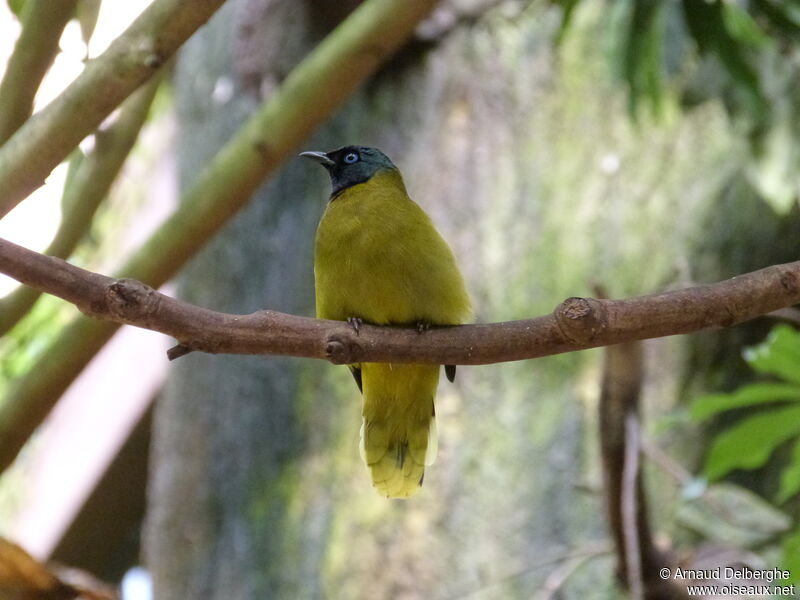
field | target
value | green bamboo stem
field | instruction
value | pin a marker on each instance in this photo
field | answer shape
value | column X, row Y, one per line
column 308, row 96
column 48, row 137
column 36, row 48
column 84, row 194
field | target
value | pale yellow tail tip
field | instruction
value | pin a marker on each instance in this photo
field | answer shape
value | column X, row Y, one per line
column 403, row 494
column 362, row 450
column 398, row 486
column 433, row 444
column 393, row 476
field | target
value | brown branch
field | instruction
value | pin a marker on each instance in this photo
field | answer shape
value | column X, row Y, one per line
column 22, row 577
column 561, row 573
column 625, row 498
column 639, row 560
column 576, row 324
column 635, row 527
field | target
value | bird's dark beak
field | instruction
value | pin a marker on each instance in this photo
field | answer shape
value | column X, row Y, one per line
column 319, row 157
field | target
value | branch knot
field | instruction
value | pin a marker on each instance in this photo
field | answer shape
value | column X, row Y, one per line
column 581, row 319
column 129, row 300
column 790, row 282
column 341, row 349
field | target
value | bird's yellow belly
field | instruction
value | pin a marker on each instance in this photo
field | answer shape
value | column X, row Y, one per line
column 368, row 285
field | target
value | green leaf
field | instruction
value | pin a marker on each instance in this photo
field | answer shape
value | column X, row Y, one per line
column 706, row 22
column 748, row 395
column 742, row 72
column 749, row 443
column 733, row 516
column 700, row 18
column 643, row 69
column 780, row 17
column 778, row 355
column 791, row 556
column 790, row 478
column 775, row 161
column 568, row 9
column 742, row 27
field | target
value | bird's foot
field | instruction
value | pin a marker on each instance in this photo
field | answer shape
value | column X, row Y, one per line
column 423, row 326
column 355, row 323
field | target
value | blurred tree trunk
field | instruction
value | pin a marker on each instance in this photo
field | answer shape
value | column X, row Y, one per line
column 532, row 170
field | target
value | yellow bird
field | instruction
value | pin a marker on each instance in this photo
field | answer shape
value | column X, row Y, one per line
column 378, row 259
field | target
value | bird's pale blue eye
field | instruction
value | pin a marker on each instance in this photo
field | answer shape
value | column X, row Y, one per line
column 351, row 158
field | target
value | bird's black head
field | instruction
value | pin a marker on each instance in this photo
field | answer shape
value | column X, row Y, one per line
column 351, row 165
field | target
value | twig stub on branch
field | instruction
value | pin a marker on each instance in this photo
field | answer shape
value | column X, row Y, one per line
column 581, row 319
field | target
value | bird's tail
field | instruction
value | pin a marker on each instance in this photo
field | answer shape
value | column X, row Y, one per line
column 398, row 434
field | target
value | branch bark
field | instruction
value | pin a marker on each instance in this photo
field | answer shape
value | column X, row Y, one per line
column 49, row 136
column 639, row 560
column 576, row 323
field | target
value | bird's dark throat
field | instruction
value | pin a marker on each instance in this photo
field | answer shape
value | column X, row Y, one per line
column 342, row 185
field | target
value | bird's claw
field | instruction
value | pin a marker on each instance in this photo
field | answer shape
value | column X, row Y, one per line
column 423, row 326
column 355, row 323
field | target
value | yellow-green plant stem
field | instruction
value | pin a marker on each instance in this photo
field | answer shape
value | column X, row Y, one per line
column 36, row 48
column 49, row 136
column 86, row 191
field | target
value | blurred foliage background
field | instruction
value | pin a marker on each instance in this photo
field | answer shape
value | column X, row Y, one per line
column 641, row 145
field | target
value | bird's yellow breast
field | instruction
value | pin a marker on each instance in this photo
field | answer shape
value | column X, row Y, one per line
column 379, row 257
